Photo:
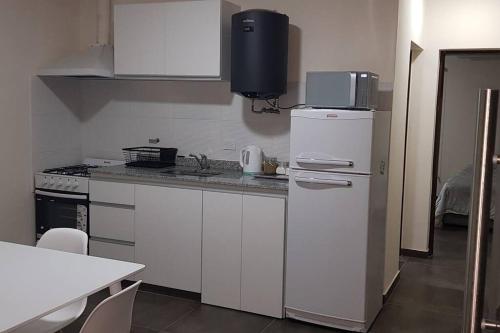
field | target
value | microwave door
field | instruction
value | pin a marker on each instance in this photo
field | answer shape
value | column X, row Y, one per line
column 331, row 89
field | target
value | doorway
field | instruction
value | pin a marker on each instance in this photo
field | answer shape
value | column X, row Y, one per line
column 462, row 74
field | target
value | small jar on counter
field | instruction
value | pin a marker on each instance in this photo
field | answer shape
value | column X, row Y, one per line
column 269, row 165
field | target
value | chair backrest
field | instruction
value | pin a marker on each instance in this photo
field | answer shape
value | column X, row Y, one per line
column 65, row 239
column 114, row 314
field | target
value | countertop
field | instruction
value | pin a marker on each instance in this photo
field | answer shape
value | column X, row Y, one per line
column 229, row 178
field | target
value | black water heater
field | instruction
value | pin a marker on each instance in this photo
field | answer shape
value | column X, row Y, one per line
column 259, row 54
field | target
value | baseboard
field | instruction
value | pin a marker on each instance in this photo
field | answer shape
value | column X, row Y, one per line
column 414, row 253
column 390, row 289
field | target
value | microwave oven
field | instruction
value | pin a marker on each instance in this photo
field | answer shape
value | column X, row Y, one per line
column 346, row 90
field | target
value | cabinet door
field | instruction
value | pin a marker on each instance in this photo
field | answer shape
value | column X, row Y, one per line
column 221, row 271
column 193, row 38
column 263, row 239
column 168, row 226
column 139, row 33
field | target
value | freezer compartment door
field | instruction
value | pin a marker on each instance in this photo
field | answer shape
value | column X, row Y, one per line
column 331, row 140
column 327, row 244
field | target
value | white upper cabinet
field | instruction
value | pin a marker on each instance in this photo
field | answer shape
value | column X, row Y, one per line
column 179, row 40
column 140, row 39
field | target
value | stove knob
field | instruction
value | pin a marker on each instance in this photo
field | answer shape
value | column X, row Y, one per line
column 45, row 181
column 60, row 183
column 52, row 181
column 75, row 184
column 68, row 183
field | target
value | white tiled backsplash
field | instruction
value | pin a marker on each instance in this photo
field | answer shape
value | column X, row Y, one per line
column 73, row 119
column 196, row 117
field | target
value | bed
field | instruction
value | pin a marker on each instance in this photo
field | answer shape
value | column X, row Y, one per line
column 453, row 201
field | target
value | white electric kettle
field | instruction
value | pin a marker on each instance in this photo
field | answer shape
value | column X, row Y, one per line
column 251, row 159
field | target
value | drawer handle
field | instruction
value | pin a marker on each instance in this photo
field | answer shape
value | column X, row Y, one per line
column 324, row 162
column 344, row 183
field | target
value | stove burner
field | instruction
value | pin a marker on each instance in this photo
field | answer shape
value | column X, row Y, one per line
column 80, row 170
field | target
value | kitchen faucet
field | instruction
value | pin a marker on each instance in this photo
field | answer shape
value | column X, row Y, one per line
column 202, row 161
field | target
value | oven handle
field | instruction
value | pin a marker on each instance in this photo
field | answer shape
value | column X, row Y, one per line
column 62, row 195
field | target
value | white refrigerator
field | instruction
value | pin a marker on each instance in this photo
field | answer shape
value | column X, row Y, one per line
column 336, row 217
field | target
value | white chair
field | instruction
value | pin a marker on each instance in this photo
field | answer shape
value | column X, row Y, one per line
column 114, row 314
column 67, row 240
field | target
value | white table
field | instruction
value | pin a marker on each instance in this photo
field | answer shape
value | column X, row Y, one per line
column 35, row 282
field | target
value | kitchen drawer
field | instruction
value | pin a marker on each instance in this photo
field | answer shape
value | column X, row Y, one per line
column 112, row 222
column 113, row 193
column 110, row 250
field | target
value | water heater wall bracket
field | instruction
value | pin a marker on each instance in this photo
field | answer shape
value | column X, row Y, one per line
column 274, row 107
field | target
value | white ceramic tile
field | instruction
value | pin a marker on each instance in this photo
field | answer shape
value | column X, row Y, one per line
column 150, row 127
column 197, row 136
column 193, row 116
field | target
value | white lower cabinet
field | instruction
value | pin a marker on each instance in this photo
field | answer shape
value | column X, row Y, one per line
column 243, row 252
column 263, row 246
column 168, row 228
column 221, row 268
column 228, row 246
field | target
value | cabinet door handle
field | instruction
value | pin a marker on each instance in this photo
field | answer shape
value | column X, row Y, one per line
column 312, row 180
column 324, row 162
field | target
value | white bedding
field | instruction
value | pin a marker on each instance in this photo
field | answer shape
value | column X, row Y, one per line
column 455, row 195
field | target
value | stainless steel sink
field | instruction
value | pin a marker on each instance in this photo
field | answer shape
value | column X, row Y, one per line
column 191, row 172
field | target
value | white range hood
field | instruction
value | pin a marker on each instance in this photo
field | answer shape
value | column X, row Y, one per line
column 96, row 61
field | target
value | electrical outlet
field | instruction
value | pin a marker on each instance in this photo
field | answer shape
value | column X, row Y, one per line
column 154, row 141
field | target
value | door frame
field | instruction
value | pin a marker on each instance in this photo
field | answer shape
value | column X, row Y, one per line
column 437, row 130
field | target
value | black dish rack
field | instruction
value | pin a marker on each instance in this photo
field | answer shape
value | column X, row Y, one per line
column 149, row 157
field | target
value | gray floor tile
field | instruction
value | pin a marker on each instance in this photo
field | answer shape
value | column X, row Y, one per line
column 155, row 311
column 292, row 326
column 435, row 283
column 450, row 249
column 422, row 296
column 136, row 329
column 434, row 275
column 428, row 298
column 211, row 319
column 451, row 234
column 75, row 326
column 398, row 319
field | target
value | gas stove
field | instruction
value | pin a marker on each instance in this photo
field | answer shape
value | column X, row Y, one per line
column 73, row 178
column 79, row 170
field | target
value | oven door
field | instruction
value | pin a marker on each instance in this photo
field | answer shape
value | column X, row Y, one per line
column 61, row 210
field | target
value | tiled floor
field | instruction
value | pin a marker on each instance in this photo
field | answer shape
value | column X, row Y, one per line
column 427, row 299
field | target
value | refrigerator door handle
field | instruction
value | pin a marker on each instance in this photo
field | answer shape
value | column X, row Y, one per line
column 312, row 180
column 323, row 161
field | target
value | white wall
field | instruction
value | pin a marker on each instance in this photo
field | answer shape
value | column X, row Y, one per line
column 32, row 33
column 56, row 126
column 463, row 78
column 409, row 29
column 434, row 25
